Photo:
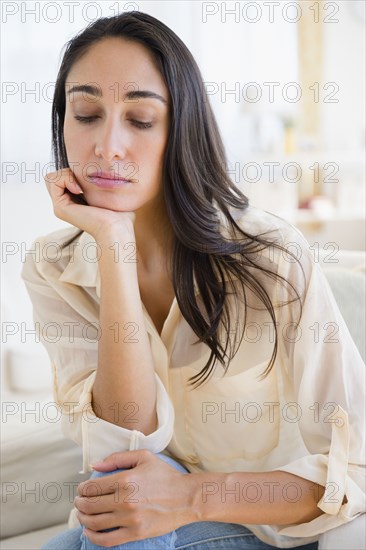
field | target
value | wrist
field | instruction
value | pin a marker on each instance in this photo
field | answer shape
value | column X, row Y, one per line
column 122, row 233
column 204, row 498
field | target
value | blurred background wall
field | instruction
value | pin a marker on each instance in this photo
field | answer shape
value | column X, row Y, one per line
column 287, row 84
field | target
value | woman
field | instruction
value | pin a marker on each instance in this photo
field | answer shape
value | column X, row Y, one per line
column 172, row 319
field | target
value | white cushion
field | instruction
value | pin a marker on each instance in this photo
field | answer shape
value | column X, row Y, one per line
column 350, row 536
column 39, row 467
column 32, row 540
column 348, row 287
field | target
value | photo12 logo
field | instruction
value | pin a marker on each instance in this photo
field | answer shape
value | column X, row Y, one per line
column 257, row 11
column 54, row 12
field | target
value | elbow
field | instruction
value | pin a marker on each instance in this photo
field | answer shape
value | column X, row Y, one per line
column 126, row 418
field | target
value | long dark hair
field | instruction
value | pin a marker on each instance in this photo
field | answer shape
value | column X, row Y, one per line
column 196, row 188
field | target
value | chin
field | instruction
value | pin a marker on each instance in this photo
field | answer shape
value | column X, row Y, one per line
column 110, row 202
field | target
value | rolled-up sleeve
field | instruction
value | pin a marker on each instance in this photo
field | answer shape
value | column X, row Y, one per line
column 98, row 435
column 66, row 321
column 327, row 375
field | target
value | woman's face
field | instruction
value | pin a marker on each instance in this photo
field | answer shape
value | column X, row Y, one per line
column 113, row 129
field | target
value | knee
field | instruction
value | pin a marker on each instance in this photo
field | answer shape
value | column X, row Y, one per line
column 96, row 474
column 174, row 463
column 70, row 539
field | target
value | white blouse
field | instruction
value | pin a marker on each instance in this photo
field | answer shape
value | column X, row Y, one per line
column 306, row 417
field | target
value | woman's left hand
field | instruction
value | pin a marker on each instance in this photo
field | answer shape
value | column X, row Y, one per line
column 148, row 500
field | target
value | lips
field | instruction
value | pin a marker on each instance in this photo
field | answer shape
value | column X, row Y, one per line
column 107, row 180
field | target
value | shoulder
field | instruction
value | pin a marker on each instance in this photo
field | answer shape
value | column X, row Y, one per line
column 289, row 242
column 256, row 221
column 48, row 254
column 290, row 255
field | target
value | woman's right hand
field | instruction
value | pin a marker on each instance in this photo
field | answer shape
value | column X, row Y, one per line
column 70, row 206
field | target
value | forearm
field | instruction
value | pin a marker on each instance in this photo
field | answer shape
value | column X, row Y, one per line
column 255, row 498
column 124, row 391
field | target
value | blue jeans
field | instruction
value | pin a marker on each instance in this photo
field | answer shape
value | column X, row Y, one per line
column 204, row 535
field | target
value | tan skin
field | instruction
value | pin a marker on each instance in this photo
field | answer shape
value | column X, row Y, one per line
column 166, row 499
column 113, row 142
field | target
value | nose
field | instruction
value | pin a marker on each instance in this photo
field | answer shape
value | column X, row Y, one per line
column 111, row 141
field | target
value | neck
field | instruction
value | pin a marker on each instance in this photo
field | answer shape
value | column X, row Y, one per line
column 154, row 237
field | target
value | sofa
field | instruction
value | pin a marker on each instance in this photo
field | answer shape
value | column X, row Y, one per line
column 39, row 468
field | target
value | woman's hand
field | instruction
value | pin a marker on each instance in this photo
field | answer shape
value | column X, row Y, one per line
column 148, row 500
column 70, row 206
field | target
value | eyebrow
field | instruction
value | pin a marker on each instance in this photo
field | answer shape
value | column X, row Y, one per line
column 133, row 94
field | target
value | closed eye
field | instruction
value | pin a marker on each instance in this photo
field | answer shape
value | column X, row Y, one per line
column 85, row 119
column 140, row 124
column 89, row 119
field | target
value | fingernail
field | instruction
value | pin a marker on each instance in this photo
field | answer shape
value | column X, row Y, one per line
column 79, row 188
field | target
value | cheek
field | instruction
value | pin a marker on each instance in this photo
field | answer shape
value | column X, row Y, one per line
column 155, row 153
column 69, row 139
column 75, row 146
